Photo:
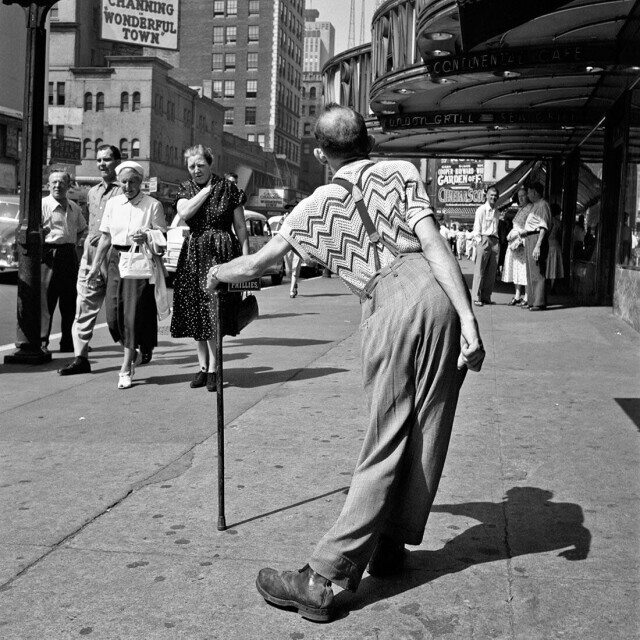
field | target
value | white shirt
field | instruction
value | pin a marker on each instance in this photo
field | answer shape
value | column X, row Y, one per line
column 486, row 221
column 123, row 217
column 64, row 226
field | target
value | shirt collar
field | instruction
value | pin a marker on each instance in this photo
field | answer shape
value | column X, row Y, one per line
column 135, row 201
column 350, row 168
column 54, row 204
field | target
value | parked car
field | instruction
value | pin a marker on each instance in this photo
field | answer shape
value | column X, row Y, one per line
column 9, row 219
column 258, row 230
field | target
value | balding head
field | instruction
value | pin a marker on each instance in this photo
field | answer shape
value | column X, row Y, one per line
column 342, row 133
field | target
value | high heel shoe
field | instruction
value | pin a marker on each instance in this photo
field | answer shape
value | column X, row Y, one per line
column 294, row 292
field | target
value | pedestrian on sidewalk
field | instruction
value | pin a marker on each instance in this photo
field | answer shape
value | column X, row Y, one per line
column 90, row 298
column 536, row 246
column 515, row 260
column 128, row 220
column 485, row 233
column 213, row 208
column 64, row 227
column 418, row 336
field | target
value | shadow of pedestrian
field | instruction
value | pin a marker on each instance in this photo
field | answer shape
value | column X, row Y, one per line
column 525, row 522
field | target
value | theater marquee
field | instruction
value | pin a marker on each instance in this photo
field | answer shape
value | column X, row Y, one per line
column 147, row 23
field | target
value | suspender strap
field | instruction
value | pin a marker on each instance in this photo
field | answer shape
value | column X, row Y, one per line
column 370, row 228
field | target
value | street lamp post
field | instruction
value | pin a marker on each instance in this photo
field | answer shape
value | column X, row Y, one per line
column 29, row 234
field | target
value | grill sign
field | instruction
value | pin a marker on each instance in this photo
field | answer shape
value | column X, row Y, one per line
column 143, row 22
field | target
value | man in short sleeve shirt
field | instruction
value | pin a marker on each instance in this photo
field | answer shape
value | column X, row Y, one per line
column 418, row 335
column 64, row 227
column 91, row 295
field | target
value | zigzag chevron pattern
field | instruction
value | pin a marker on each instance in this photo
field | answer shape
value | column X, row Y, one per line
column 328, row 228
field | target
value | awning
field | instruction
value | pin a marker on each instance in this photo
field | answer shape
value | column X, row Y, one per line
column 512, row 180
column 481, row 20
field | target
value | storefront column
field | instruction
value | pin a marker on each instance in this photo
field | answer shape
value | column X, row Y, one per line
column 614, row 171
column 570, row 178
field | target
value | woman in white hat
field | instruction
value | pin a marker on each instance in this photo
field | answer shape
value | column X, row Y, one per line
column 130, row 304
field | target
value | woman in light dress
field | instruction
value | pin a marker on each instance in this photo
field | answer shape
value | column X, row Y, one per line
column 515, row 260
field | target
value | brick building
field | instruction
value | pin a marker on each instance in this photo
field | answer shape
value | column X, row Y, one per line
column 247, row 55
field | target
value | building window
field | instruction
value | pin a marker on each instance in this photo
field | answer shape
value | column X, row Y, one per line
column 99, row 143
column 217, row 62
column 252, row 61
column 228, row 116
column 250, row 115
column 312, row 93
column 100, row 101
column 231, row 34
column 307, row 128
column 312, row 109
column 254, row 33
column 124, row 148
column 251, row 137
column 124, row 101
column 261, row 139
column 229, row 89
column 60, row 131
column 216, row 88
column 135, row 104
column 252, row 88
column 254, row 7
column 135, row 148
column 88, row 101
column 218, row 35
column 51, row 93
column 60, row 91
column 232, row 7
column 229, row 61
column 87, row 148
column 218, row 8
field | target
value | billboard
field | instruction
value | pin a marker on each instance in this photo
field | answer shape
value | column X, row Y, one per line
column 149, row 23
column 459, row 188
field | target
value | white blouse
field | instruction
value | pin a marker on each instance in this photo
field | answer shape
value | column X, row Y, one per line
column 123, row 217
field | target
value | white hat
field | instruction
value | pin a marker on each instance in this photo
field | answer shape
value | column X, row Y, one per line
column 130, row 164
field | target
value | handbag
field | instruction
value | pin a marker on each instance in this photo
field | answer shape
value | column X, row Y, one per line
column 516, row 243
column 135, row 266
column 236, row 314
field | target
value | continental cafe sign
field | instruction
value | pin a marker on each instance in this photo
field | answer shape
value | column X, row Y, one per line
column 143, row 22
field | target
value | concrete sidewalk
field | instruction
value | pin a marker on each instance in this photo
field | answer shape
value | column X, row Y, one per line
column 109, row 498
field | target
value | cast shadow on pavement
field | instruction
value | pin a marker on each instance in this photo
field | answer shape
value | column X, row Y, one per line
column 274, row 342
column 525, row 522
column 273, row 316
column 631, row 406
column 250, row 377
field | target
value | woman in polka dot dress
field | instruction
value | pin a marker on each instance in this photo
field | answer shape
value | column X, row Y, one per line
column 213, row 209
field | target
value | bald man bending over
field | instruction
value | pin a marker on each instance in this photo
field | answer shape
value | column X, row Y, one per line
column 419, row 335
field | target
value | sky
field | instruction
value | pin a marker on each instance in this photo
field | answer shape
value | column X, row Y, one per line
column 338, row 11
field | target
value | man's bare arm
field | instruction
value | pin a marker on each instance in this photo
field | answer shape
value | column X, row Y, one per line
column 251, row 266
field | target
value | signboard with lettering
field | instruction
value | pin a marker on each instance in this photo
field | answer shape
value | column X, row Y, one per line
column 65, row 151
column 248, row 285
column 150, row 23
column 271, row 197
column 459, row 188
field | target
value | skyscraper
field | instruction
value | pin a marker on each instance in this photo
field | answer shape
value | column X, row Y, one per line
column 319, row 41
column 247, row 55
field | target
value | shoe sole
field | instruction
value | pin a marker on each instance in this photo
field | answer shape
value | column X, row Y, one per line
column 316, row 615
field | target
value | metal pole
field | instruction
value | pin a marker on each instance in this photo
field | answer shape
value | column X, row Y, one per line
column 222, row 524
column 29, row 233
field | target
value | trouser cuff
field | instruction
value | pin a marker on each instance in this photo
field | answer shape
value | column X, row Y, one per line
column 340, row 571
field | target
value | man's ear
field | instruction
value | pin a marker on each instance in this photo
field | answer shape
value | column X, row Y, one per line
column 320, row 157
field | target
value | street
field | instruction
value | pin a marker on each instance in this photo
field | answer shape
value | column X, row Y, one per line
column 109, row 506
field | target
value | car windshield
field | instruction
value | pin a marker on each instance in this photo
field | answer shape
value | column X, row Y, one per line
column 9, row 210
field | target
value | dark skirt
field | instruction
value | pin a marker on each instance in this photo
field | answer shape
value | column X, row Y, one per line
column 131, row 308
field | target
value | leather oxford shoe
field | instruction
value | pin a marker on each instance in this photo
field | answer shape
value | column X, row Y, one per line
column 387, row 559
column 79, row 365
column 304, row 590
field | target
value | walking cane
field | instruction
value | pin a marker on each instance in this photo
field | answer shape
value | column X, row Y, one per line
column 222, row 524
